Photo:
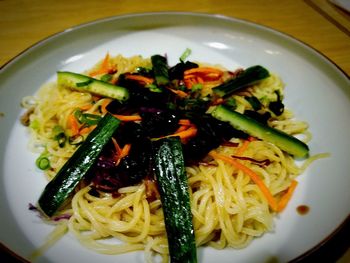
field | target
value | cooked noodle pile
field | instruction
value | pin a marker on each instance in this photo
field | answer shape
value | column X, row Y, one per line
column 228, row 208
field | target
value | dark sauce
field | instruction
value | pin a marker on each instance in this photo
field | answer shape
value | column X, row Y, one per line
column 303, row 209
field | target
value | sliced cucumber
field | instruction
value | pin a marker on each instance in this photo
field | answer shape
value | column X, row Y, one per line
column 85, row 83
column 254, row 128
column 173, row 188
column 68, row 177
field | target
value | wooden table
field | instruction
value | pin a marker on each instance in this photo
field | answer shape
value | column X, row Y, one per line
column 317, row 23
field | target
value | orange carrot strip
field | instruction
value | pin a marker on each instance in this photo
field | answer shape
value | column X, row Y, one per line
column 73, row 124
column 203, row 70
column 218, row 101
column 199, row 80
column 287, row 196
column 105, row 62
column 116, row 146
column 85, row 107
column 104, row 67
column 140, row 78
column 185, row 122
column 104, row 105
column 184, row 135
column 181, row 128
column 125, row 150
column 189, row 83
column 178, row 92
column 189, row 76
column 243, row 147
column 127, row 117
column 87, row 129
column 253, row 176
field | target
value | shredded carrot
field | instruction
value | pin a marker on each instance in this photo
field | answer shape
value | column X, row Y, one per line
column 199, row 80
column 218, row 101
column 184, row 135
column 181, row 128
column 85, row 107
column 184, row 125
column 73, row 124
column 140, row 78
column 104, row 67
column 125, row 150
column 104, row 105
column 116, row 146
column 190, row 82
column 203, row 71
column 86, row 130
column 120, row 152
column 185, row 122
column 253, row 176
column 178, row 92
column 202, row 74
column 244, row 146
column 127, row 117
column 287, row 196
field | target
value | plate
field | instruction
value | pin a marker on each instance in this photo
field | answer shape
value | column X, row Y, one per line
column 316, row 90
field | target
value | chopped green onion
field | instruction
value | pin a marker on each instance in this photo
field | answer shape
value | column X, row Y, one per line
column 106, row 77
column 185, row 54
column 43, row 163
column 77, row 114
column 87, row 118
column 59, row 136
column 90, row 119
column 231, row 103
column 196, row 87
column 154, row 88
column 84, row 83
column 35, row 124
column 61, row 139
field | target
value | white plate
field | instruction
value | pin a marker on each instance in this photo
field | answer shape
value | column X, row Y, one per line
column 316, row 90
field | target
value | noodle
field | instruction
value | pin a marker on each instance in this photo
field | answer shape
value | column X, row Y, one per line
column 229, row 210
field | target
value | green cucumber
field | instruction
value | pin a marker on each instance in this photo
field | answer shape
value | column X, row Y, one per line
column 249, row 76
column 68, row 177
column 254, row 128
column 87, row 84
column 173, row 188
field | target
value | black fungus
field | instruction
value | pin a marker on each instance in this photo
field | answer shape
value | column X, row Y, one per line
column 277, row 107
column 159, row 122
column 137, row 164
column 130, row 133
column 211, row 133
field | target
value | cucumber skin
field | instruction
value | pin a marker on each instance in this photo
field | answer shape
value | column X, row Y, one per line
column 71, row 79
column 254, row 128
column 68, row 177
column 173, row 187
column 250, row 76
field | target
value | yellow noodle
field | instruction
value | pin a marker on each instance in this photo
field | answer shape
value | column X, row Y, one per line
column 228, row 209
